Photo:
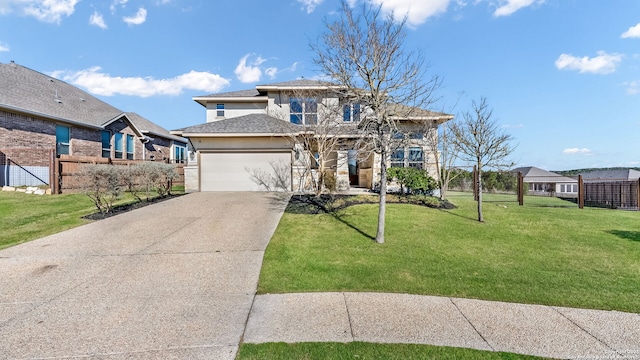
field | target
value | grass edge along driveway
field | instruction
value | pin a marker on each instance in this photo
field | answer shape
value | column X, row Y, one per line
column 536, row 254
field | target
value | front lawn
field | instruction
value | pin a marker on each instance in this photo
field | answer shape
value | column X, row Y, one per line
column 560, row 256
column 25, row 217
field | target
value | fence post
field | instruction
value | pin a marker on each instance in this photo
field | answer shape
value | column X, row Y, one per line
column 638, row 195
column 580, row 192
column 52, row 169
column 520, row 188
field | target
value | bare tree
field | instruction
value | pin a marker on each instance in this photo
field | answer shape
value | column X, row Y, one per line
column 481, row 142
column 363, row 53
column 446, row 152
column 322, row 133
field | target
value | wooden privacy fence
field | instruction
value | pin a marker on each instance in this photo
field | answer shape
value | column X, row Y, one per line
column 612, row 194
column 616, row 194
column 67, row 168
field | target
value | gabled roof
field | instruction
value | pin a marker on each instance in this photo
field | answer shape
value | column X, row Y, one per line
column 151, row 129
column 613, row 174
column 252, row 124
column 534, row 174
column 32, row 92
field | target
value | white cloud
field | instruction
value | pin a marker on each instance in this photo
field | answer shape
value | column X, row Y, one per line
column 97, row 20
column 602, row 64
column 633, row 32
column 116, row 3
column 100, row 83
column 310, row 5
column 139, row 18
column 572, row 151
column 44, row 10
column 271, row 72
column 3, row 47
column 508, row 7
column 249, row 73
column 417, row 11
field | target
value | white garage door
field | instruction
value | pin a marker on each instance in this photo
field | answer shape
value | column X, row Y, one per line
column 239, row 171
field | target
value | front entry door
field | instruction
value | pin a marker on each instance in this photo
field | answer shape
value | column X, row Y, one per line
column 352, row 162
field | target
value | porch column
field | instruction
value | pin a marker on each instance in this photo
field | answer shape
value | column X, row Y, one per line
column 342, row 171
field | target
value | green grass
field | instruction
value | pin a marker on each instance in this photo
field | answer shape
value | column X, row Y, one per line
column 26, row 217
column 365, row 351
column 554, row 255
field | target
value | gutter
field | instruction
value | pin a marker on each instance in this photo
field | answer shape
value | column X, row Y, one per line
column 54, row 118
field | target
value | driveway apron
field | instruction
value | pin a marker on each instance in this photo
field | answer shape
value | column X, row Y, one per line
column 173, row 280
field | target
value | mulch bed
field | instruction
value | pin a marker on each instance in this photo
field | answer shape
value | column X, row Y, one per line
column 327, row 203
column 128, row 207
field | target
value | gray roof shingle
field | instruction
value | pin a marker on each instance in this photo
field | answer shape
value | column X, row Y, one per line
column 147, row 127
column 612, row 174
column 534, row 174
column 247, row 124
column 26, row 90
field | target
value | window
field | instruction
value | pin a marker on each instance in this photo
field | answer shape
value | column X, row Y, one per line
column 397, row 158
column 220, row 110
column 63, row 138
column 303, row 111
column 416, row 158
column 118, row 145
column 106, row 144
column 409, row 157
column 351, row 113
column 179, row 154
column 130, row 147
column 315, row 160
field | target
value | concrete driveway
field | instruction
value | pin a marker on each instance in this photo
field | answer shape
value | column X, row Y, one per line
column 175, row 280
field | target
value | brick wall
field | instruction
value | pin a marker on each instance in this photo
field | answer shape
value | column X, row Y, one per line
column 26, row 139
column 158, row 150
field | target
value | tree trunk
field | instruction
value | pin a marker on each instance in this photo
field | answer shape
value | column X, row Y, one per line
column 383, row 196
column 479, row 187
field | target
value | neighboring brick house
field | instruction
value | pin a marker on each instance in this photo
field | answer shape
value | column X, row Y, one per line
column 253, row 132
column 41, row 116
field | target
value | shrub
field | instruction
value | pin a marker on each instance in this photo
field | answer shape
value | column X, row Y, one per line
column 330, row 182
column 415, row 181
column 156, row 176
column 102, row 184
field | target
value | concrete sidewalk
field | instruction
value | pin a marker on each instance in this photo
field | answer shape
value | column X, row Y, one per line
column 554, row 332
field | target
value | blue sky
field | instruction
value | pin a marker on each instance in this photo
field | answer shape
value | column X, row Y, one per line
column 562, row 76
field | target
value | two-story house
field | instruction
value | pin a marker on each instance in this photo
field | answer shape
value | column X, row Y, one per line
column 254, row 133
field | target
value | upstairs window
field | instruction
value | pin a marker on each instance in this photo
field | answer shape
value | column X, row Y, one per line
column 351, row 113
column 303, row 111
column 219, row 110
column 63, row 139
column 106, row 144
column 130, row 147
column 118, row 145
